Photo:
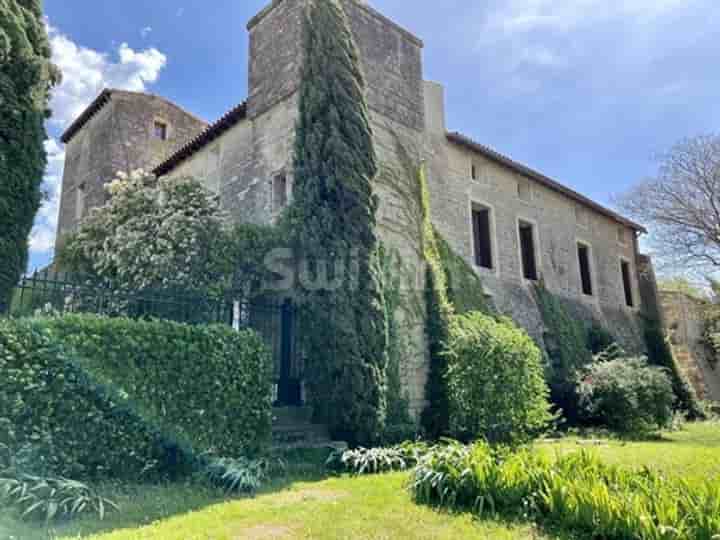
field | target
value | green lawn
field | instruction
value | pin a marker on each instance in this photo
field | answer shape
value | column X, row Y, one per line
column 353, row 508
column 377, row 507
column 693, row 453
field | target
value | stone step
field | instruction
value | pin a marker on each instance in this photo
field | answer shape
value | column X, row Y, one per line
column 283, row 416
column 300, row 433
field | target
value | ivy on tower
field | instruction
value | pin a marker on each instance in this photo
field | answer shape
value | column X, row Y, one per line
column 332, row 223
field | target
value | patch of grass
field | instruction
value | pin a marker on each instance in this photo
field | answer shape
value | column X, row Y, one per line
column 310, row 507
column 691, row 453
column 366, row 507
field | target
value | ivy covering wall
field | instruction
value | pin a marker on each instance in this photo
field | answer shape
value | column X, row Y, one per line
column 344, row 329
column 436, row 416
column 26, row 76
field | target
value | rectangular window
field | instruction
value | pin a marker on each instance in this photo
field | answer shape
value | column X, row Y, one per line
column 622, row 238
column 585, row 269
column 473, row 172
column 80, row 201
column 161, row 130
column 527, row 250
column 482, row 237
column 279, row 192
column 524, row 191
column 627, row 283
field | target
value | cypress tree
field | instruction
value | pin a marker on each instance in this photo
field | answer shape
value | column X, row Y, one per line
column 26, row 76
column 344, row 329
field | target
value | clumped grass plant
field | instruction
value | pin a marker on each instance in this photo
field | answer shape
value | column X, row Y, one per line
column 577, row 492
column 37, row 497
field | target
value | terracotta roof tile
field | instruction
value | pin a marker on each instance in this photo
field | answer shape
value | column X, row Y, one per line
column 204, row 138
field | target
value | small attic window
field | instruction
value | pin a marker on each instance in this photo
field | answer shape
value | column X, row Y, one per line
column 524, row 190
column 473, row 171
column 621, row 235
column 160, row 130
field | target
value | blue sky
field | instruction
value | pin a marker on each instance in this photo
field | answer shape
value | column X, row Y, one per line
column 587, row 91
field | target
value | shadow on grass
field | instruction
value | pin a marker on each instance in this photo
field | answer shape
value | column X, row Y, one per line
column 144, row 504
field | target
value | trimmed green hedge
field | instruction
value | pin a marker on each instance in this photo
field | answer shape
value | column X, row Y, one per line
column 207, row 385
column 75, row 426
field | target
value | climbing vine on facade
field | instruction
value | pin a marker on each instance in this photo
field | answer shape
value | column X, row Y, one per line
column 332, row 226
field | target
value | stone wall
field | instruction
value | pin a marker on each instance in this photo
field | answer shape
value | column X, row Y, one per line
column 684, row 320
column 559, row 223
column 118, row 138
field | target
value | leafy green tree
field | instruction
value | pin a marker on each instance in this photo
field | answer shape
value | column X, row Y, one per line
column 26, row 76
column 163, row 234
column 332, row 224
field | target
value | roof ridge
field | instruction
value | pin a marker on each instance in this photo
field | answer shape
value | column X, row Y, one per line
column 102, row 99
column 459, row 138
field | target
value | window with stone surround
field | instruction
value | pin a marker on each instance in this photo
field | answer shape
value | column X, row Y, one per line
column 160, row 130
column 524, row 190
column 482, row 236
column 625, row 270
column 528, row 250
column 80, row 201
column 279, row 192
column 584, row 257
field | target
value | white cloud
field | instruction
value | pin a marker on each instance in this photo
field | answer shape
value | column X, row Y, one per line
column 145, row 32
column 42, row 238
column 85, row 73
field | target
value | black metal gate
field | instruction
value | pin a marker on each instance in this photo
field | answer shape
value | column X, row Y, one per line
column 274, row 320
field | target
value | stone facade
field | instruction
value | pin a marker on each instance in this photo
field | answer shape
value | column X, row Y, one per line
column 684, row 321
column 118, row 136
column 249, row 163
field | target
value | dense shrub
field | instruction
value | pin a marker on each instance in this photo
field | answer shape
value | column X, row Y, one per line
column 627, row 395
column 576, row 492
column 66, row 422
column 495, row 379
column 599, row 339
column 207, row 385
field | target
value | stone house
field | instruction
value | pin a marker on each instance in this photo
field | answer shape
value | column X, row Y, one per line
column 513, row 224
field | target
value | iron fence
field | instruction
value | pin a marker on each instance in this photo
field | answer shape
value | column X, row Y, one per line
column 275, row 320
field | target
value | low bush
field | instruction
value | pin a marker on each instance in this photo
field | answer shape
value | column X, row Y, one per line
column 239, row 475
column 59, row 420
column 37, row 497
column 627, row 395
column 377, row 460
column 577, row 492
column 495, row 379
column 207, row 385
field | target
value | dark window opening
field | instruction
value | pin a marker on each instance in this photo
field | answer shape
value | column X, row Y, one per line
column 585, row 275
column 527, row 251
column 280, row 192
column 161, row 130
column 627, row 283
column 482, row 237
column 473, row 172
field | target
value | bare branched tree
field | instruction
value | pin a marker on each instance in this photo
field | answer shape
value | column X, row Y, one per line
column 681, row 206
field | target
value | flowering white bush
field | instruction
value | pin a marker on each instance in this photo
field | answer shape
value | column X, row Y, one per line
column 151, row 233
